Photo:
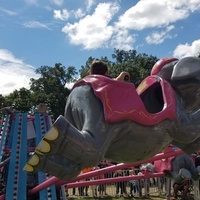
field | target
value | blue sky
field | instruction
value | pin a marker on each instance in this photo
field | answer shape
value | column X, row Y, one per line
column 34, row 33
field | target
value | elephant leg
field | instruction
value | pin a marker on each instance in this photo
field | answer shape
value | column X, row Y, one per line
column 82, row 136
column 55, row 165
column 61, row 135
column 64, row 139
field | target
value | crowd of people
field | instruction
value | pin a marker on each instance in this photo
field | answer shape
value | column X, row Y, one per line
column 131, row 188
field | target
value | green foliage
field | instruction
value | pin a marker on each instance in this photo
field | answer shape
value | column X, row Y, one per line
column 138, row 65
column 84, row 71
column 50, row 88
column 20, row 100
column 23, row 100
column 3, row 101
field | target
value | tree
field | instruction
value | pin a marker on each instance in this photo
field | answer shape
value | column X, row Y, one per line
column 84, row 71
column 50, row 87
column 3, row 102
column 138, row 65
column 20, row 100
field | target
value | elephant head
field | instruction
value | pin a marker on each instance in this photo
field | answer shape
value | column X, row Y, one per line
column 184, row 77
column 108, row 119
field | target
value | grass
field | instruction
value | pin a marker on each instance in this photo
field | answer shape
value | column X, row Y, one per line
column 151, row 197
column 120, row 198
column 110, row 190
column 154, row 197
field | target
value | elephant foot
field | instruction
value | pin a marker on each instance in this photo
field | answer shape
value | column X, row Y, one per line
column 54, row 138
column 69, row 143
column 55, row 165
column 64, row 139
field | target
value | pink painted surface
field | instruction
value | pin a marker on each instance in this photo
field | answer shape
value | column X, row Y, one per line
column 121, row 100
column 113, row 180
column 164, row 164
column 59, row 182
column 162, row 63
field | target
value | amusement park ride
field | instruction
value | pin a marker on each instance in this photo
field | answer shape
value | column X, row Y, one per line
column 105, row 118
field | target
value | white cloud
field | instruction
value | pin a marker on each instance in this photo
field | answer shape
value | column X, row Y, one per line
column 94, row 30
column 190, row 5
column 89, row 3
column 58, row 2
column 123, row 40
column 14, row 73
column 36, row 24
column 8, row 12
column 159, row 37
column 183, row 50
column 61, row 14
column 69, row 85
column 64, row 14
column 97, row 30
column 78, row 13
column 153, row 13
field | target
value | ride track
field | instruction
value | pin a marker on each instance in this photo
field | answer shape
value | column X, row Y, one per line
column 72, row 184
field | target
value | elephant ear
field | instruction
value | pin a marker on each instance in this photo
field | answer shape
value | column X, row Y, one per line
column 164, row 67
column 186, row 68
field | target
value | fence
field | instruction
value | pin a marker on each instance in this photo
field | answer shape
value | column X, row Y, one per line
column 148, row 187
column 156, row 186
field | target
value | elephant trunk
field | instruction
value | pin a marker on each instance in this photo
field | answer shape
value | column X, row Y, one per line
column 186, row 129
column 189, row 92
